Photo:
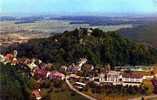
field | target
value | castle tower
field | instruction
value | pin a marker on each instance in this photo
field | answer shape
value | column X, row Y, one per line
column 15, row 53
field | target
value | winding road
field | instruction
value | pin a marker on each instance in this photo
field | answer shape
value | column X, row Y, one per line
column 77, row 91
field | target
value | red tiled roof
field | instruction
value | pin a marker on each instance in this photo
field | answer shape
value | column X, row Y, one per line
column 132, row 75
column 9, row 56
column 36, row 93
column 41, row 73
column 56, row 74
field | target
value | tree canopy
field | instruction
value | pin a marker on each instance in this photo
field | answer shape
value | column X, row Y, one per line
column 14, row 84
column 99, row 47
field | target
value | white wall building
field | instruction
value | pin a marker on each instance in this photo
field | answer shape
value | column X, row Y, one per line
column 118, row 78
column 114, row 77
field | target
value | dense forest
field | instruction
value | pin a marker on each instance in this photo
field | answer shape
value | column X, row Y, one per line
column 98, row 46
column 14, row 83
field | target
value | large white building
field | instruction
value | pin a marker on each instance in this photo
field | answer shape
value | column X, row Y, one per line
column 114, row 77
column 119, row 78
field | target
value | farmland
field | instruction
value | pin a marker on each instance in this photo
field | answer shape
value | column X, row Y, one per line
column 17, row 32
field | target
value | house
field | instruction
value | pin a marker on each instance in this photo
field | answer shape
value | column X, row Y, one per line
column 49, row 66
column 40, row 73
column 55, row 75
column 132, row 79
column 8, row 57
column 102, row 77
column 113, row 77
column 73, row 68
column 87, row 67
column 32, row 65
column 64, row 68
column 43, row 66
column 37, row 94
column 25, row 61
column 11, row 58
column 14, row 61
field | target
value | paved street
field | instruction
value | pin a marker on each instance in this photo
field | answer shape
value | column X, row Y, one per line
column 77, row 91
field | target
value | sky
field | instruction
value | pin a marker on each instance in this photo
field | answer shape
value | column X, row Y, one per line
column 78, row 6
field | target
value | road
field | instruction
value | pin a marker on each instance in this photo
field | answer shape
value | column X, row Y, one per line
column 77, row 91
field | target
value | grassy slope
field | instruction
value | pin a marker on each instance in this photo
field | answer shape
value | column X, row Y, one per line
column 110, row 97
column 66, row 95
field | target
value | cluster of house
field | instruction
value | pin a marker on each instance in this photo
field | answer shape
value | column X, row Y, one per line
column 124, row 78
column 40, row 70
column 122, row 75
column 45, row 74
column 9, row 58
column 132, row 76
column 37, row 68
column 73, row 68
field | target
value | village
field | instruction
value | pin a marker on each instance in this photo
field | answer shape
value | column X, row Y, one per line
column 80, row 74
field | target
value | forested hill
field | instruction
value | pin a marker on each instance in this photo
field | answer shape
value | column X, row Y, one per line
column 99, row 47
column 146, row 33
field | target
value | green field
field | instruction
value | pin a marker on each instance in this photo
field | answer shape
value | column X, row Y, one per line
column 56, row 26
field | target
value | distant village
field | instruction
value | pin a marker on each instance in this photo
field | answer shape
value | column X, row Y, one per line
column 119, row 75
